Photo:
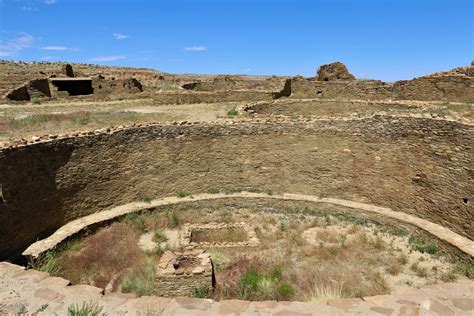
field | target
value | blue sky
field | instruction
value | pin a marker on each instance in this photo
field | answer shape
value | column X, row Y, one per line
column 380, row 39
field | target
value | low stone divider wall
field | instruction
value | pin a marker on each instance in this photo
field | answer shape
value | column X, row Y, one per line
column 70, row 229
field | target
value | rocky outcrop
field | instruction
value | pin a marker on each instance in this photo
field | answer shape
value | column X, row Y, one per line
column 334, row 71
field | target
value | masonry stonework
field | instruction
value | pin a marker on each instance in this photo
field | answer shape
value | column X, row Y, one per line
column 419, row 166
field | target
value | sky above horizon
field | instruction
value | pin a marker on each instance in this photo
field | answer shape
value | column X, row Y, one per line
column 378, row 39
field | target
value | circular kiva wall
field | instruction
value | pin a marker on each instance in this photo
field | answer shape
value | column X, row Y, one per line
column 419, row 166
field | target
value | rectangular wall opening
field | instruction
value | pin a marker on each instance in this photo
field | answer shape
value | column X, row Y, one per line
column 74, row 86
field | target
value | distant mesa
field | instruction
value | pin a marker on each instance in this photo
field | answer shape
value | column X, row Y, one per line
column 334, row 71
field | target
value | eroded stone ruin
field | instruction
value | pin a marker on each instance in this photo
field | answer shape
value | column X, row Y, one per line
column 63, row 87
column 410, row 169
column 334, row 71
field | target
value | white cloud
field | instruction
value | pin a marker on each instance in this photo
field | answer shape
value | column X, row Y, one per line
column 107, row 58
column 14, row 46
column 195, row 48
column 54, row 48
column 28, row 8
column 120, row 36
column 49, row 2
column 48, row 57
column 58, row 48
column 7, row 53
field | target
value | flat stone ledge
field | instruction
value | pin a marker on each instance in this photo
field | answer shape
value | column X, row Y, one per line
column 460, row 242
column 27, row 295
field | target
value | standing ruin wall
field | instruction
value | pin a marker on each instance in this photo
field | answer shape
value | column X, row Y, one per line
column 418, row 166
column 443, row 88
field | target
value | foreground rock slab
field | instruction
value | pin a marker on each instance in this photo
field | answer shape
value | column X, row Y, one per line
column 27, row 292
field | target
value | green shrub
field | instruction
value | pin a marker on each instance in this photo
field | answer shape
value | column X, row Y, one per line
column 86, row 309
column 136, row 220
column 174, row 219
column 285, row 290
column 213, row 191
column 232, row 191
column 159, row 235
column 200, row 291
column 36, row 100
column 182, row 194
column 418, row 244
column 146, row 199
column 29, row 120
column 158, row 249
column 466, row 269
column 140, row 281
column 431, row 249
column 254, row 284
column 327, row 220
column 248, row 283
column 46, row 262
column 232, row 112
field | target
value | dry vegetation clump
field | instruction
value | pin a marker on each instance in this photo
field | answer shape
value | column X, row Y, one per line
column 104, row 256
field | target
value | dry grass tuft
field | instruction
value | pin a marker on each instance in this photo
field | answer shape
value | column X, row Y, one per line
column 102, row 256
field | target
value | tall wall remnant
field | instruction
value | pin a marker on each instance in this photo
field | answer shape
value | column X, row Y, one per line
column 456, row 85
column 67, row 70
column 334, row 71
column 285, row 92
column 37, row 88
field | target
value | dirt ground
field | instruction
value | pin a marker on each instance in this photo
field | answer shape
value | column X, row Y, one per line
column 56, row 117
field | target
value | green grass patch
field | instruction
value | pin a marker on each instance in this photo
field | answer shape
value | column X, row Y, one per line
column 135, row 219
column 182, row 194
column 146, row 199
column 419, row 245
column 140, row 281
column 202, row 291
column 36, row 101
column 232, row 112
column 159, row 235
column 85, row 309
column 47, row 262
column 30, row 120
column 254, row 284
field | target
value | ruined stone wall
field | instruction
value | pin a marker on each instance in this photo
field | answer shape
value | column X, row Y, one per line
column 181, row 285
column 214, row 97
column 359, row 89
column 446, row 88
column 418, row 166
